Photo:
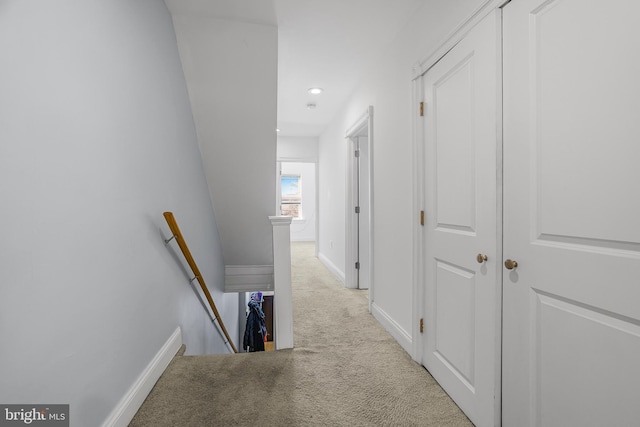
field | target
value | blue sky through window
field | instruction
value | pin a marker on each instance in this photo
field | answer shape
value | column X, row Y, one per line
column 290, row 185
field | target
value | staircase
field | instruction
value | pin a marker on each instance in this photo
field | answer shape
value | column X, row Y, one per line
column 281, row 280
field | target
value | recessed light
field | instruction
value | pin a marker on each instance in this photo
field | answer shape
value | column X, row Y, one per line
column 277, row 130
column 315, row 90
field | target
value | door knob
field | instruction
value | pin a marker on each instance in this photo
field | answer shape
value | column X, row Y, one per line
column 510, row 264
column 481, row 258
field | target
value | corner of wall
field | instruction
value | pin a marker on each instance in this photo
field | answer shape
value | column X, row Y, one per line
column 131, row 402
column 396, row 331
column 332, row 268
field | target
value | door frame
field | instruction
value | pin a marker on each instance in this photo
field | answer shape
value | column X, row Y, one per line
column 364, row 123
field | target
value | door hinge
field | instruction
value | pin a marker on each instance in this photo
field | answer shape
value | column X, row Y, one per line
column 357, row 153
column 421, row 217
column 358, row 265
column 357, row 209
column 421, row 109
column 421, row 325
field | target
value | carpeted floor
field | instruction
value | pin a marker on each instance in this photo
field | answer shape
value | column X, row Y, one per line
column 345, row 370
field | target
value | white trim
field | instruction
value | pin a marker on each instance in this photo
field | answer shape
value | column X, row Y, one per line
column 454, row 37
column 317, row 232
column 359, row 124
column 131, row 402
column 499, row 226
column 298, row 159
column 418, row 230
column 371, row 200
column 280, row 221
column 283, row 300
column 365, row 121
column 278, row 187
column 248, row 278
column 331, row 267
column 303, row 239
column 396, row 331
column 351, row 218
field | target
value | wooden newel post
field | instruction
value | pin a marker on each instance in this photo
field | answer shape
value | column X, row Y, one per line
column 283, row 298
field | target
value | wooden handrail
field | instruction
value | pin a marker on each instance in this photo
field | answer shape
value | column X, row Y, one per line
column 173, row 226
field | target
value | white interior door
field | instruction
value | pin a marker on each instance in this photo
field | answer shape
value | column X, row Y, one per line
column 571, row 213
column 462, row 287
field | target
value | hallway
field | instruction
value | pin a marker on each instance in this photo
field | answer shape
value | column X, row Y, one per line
column 345, row 370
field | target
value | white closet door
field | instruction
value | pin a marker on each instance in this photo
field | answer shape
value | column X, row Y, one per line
column 571, row 340
column 461, row 287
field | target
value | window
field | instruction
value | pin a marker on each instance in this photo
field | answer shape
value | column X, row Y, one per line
column 291, row 196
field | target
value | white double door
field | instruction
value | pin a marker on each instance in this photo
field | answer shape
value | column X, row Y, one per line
column 555, row 340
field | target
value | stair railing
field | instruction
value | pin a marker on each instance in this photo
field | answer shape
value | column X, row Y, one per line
column 173, row 226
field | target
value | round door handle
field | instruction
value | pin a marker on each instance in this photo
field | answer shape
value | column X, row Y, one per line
column 510, row 264
column 481, row 258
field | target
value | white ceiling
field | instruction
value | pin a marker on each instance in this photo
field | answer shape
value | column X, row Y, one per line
column 324, row 43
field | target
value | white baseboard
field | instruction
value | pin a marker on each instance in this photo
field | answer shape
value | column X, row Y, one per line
column 396, row 331
column 332, row 268
column 126, row 409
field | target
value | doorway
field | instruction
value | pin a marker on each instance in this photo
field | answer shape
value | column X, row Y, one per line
column 359, row 201
column 297, row 197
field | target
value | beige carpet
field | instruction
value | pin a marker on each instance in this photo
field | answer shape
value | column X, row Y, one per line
column 345, row 370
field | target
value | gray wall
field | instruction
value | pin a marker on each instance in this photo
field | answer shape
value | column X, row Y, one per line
column 231, row 71
column 96, row 141
column 297, row 149
column 388, row 87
